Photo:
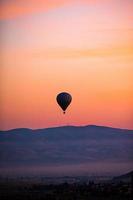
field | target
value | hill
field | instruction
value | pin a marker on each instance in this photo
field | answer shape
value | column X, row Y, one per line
column 66, row 150
column 127, row 178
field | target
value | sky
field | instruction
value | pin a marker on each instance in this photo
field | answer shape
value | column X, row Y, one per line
column 84, row 47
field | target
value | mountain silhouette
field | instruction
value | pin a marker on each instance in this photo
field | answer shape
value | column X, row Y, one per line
column 67, row 149
column 124, row 178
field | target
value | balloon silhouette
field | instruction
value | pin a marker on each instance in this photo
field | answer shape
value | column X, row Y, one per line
column 64, row 99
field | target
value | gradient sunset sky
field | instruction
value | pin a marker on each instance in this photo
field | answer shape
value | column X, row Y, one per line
column 84, row 47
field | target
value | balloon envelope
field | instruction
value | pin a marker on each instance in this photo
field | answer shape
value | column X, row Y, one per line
column 64, row 99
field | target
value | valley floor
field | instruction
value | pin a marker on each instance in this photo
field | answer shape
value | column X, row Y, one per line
column 91, row 191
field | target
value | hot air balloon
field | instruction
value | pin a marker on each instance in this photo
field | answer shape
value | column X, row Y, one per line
column 64, row 99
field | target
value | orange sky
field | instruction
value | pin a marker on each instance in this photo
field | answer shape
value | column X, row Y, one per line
column 82, row 47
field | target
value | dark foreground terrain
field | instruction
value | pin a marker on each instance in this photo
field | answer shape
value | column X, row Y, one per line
column 74, row 191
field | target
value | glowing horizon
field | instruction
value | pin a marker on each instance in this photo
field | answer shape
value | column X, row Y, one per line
column 81, row 47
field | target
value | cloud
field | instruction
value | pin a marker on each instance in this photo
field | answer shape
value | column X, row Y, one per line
column 16, row 8
column 85, row 53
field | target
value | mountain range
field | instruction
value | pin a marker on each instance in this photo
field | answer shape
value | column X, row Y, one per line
column 67, row 150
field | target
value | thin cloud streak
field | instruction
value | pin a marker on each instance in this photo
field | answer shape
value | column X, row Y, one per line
column 85, row 53
column 17, row 8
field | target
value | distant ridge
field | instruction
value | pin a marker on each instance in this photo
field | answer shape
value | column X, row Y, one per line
column 69, row 126
column 67, row 149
